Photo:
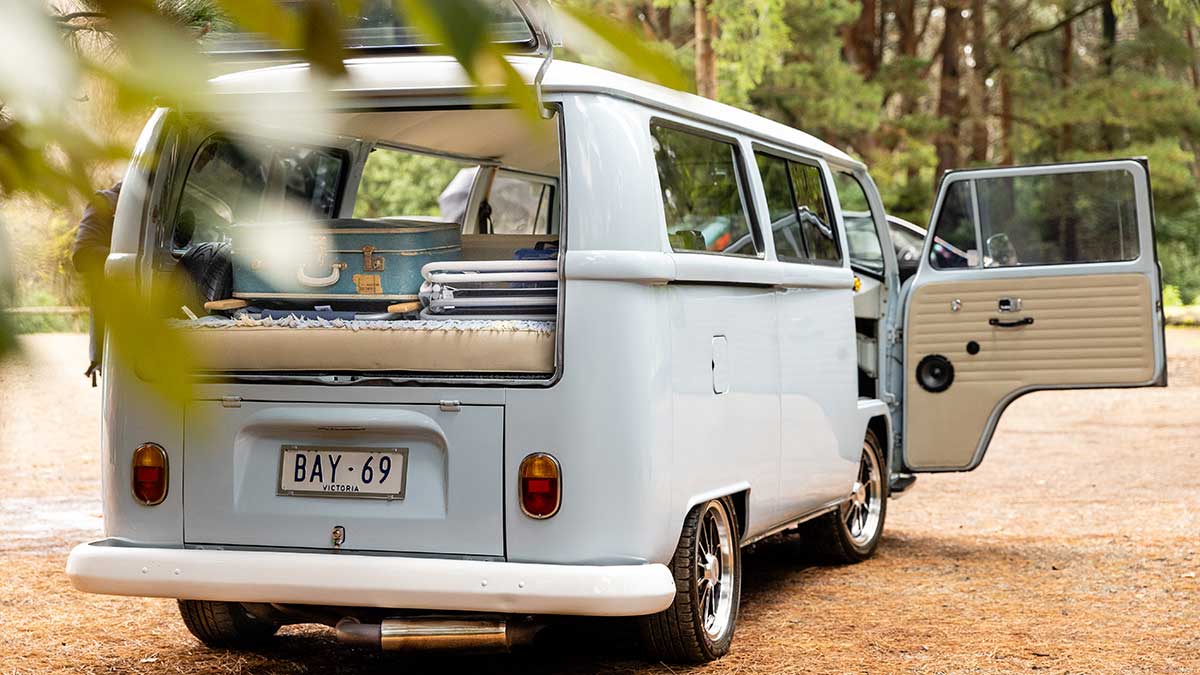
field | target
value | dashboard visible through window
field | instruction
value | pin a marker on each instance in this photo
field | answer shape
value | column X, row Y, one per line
column 802, row 226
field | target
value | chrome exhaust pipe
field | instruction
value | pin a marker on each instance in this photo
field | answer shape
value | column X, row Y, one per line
column 438, row 634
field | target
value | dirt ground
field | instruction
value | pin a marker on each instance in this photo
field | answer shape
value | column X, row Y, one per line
column 1072, row 550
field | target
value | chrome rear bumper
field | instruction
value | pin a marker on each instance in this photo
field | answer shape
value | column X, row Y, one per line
column 116, row 568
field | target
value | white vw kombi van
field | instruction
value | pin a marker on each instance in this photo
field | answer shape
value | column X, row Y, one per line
column 662, row 329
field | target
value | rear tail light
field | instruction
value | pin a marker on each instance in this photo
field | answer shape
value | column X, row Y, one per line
column 149, row 474
column 540, row 485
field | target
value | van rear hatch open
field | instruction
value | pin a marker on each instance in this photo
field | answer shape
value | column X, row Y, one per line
column 394, row 478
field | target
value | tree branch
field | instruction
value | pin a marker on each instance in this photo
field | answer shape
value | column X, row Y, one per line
column 65, row 18
column 1024, row 39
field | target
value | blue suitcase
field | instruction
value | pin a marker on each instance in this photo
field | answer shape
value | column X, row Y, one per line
column 351, row 259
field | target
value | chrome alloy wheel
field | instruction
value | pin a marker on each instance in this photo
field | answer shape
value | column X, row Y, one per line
column 714, row 569
column 861, row 512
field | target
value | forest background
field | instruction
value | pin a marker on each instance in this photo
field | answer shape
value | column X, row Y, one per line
column 911, row 87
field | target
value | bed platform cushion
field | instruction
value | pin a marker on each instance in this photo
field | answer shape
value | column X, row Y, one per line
column 293, row 344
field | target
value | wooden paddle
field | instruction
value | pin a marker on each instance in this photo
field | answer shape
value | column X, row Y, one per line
column 404, row 307
column 224, row 305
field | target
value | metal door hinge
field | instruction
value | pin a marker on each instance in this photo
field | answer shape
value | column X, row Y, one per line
column 231, row 401
column 895, row 336
column 450, row 406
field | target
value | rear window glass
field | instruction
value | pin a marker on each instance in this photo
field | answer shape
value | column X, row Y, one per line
column 702, row 193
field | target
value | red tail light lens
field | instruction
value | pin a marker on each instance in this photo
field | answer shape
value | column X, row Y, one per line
column 540, row 481
column 149, row 474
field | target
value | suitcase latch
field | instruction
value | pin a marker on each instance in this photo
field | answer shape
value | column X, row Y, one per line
column 371, row 262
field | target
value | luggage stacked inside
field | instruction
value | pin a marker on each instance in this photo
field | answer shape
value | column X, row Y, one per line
column 344, row 284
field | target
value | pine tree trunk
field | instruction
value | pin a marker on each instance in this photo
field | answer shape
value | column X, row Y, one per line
column 949, row 107
column 909, row 41
column 1067, row 140
column 906, row 26
column 981, row 98
column 1004, row 83
column 662, row 23
column 858, row 40
column 1108, row 23
column 1194, row 67
column 706, row 58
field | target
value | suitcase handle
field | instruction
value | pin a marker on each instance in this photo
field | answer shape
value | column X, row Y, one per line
column 335, row 273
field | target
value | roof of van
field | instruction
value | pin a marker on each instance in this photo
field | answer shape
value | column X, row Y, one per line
column 441, row 75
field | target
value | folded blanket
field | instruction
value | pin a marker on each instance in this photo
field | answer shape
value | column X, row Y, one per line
column 245, row 321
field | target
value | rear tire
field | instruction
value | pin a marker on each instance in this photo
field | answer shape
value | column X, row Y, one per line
column 851, row 533
column 698, row 626
column 224, row 624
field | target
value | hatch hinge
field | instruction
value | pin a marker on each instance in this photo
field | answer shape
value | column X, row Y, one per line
column 450, row 406
column 231, row 401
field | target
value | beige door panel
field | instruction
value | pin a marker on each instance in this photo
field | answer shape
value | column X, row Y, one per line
column 1089, row 330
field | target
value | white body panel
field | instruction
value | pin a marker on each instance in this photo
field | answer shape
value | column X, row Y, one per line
column 684, row 376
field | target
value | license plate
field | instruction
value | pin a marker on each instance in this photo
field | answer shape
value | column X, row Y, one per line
column 368, row 473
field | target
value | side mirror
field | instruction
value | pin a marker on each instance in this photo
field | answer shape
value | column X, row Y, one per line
column 1001, row 251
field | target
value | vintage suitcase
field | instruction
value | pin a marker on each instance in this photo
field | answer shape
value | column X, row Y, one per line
column 348, row 259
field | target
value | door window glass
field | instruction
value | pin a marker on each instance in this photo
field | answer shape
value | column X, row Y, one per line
column 955, row 229
column 1058, row 218
column 702, row 193
column 862, row 239
column 801, row 226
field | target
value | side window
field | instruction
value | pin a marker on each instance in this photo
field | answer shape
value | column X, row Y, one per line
column 862, row 239
column 395, row 183
column 702, row 193
column 777, row 184
column 801, row 225
column 815, row 218
column 229, row 183
column 954, row 232
column 519, row 206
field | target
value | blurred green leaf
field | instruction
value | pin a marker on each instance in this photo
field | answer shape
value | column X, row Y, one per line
column 460, row 28
column 626, row 46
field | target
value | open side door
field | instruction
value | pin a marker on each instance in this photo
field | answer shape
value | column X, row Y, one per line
column 1041, row 277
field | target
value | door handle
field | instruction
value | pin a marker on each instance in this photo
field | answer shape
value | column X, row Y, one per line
column 1016, row 323
column 1009, row 304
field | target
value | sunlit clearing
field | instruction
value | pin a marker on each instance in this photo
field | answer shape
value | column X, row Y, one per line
column 37, row 75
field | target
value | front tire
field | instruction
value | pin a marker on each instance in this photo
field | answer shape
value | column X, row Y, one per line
column 851, row 533
column 224, row 624
column 698, row 626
